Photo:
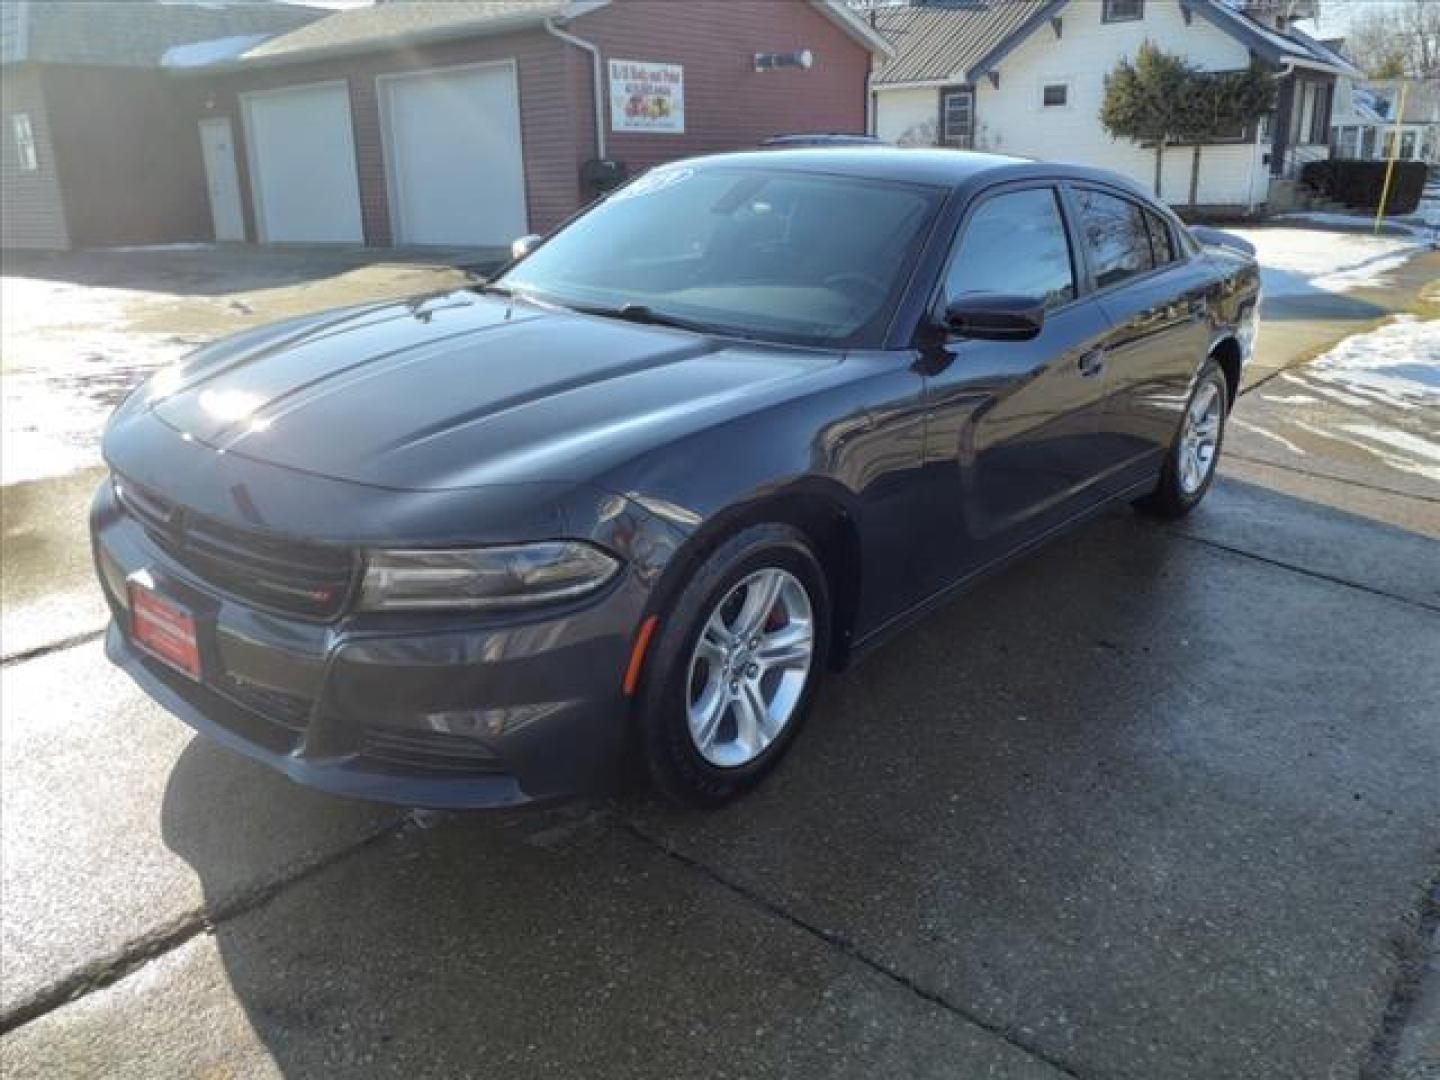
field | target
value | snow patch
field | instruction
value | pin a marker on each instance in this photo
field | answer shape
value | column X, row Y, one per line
column 1295, row 262
column 1391, row 376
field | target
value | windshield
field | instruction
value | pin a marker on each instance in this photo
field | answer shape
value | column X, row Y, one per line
column 788, row 256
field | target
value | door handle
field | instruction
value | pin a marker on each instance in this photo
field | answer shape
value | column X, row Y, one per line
column 1092, row 363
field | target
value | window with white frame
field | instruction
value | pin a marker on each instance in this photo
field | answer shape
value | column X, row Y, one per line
column 957, row 117
column 24, row 135
column 1055, row 95
column 1122, row 10
column 1407, row 146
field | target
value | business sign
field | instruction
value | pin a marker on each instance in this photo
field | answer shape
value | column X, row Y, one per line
column 647, row 97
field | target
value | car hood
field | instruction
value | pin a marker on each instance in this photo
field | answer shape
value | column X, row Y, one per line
column 462, row 390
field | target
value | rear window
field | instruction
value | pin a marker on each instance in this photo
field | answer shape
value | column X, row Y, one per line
column 1115, row 235
column 1162, row 246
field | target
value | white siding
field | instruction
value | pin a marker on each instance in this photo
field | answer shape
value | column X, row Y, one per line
column 908, row 117
column 32, row 211
column 1010, row 119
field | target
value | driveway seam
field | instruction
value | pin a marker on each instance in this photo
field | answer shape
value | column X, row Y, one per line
column 1304, row 571
column 134, row 955
column 83, row 638
column 1231, row 455
column 850, row 949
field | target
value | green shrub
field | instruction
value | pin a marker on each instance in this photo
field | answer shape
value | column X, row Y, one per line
column 1359, row 183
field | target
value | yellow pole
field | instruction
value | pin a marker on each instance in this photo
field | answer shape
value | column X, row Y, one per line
column 1394, row 153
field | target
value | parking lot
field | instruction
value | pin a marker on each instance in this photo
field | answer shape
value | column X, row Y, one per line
column 1160, row 801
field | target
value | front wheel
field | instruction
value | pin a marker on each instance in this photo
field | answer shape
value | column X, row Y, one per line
column 1190, row 466
column 737, row 666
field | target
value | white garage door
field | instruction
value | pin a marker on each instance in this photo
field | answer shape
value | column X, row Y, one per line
column 302, row 164
column 454, row 158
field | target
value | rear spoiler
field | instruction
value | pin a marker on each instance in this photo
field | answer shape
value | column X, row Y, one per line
column 1221, row 239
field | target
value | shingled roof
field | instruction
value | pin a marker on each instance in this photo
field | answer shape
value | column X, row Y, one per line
column 104, row 32
column 385, row 25
column 954, row 42
column 402, row 23
column 942, row 44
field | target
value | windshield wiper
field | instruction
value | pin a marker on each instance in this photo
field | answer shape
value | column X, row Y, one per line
column 643, row 313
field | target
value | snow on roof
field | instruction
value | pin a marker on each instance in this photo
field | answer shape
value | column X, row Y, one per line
column 196, row 54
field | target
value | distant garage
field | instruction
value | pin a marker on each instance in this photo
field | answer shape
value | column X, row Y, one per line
column 302, row 165
column 469, row 123
column 456, row 172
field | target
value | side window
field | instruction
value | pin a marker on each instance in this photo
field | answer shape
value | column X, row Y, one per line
column 1162, row 244
column 24, row 136
column 1115, row 236
column 1014, row 243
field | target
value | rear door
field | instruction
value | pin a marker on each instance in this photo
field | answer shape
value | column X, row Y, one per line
column 1020, row 419
column 1155, row 300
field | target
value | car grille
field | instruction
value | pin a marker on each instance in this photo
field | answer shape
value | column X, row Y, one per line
column 298, row 578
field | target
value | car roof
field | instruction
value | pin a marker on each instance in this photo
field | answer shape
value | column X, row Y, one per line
column 936, row 167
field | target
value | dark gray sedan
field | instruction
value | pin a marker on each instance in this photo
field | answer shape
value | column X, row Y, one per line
column 729, row 428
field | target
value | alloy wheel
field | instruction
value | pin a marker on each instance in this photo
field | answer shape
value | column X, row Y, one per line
column 1200, row 441
column 749, row 667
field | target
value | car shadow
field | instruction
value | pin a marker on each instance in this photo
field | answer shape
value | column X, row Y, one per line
column 1107, row 799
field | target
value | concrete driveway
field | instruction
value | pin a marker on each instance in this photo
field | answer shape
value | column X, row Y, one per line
column 1158, row 802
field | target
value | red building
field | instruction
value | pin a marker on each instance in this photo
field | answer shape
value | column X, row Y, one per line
column 469, row 123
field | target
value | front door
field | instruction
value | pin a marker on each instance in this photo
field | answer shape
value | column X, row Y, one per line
column 1017, row 422
column 221, row 179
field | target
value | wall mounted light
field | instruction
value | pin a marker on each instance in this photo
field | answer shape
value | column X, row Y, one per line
column 800, row 58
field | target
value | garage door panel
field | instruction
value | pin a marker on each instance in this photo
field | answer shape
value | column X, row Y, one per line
column 302, row 155
column 456, row 169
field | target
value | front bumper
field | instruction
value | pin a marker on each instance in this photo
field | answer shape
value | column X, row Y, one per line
column 441, row 711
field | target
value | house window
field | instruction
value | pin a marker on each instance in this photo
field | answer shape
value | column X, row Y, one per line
column 1407, row 145
column 1055, row 96
column 24, row 136
column 1122, row 10
column 957, row 118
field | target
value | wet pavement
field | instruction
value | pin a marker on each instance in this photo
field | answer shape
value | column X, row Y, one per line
column 1185, row 825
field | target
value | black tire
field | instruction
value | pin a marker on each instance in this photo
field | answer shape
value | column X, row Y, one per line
column 1170, row 499
column 675, row 764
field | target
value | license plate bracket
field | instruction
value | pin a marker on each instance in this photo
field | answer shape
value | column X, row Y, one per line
column 165, row 630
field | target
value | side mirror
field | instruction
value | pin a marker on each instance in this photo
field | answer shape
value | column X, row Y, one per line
column 995, row 317
column 523, row 246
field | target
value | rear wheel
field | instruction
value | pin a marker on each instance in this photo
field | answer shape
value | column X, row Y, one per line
column 736, row 668
column 1190, row 466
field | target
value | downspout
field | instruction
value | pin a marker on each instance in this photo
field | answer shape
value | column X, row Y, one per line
column 594, row 51
column 870, row 97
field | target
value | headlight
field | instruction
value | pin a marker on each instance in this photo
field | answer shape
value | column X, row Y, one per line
column 479, row 578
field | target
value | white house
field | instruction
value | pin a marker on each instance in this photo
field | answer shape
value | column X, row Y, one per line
column 1026, row 77
column 1364, row 122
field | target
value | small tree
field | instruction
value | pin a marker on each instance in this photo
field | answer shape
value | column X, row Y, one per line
column 1145, row 101
column 1218, row 103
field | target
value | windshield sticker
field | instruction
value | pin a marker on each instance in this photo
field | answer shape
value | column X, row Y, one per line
column 653, row 182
